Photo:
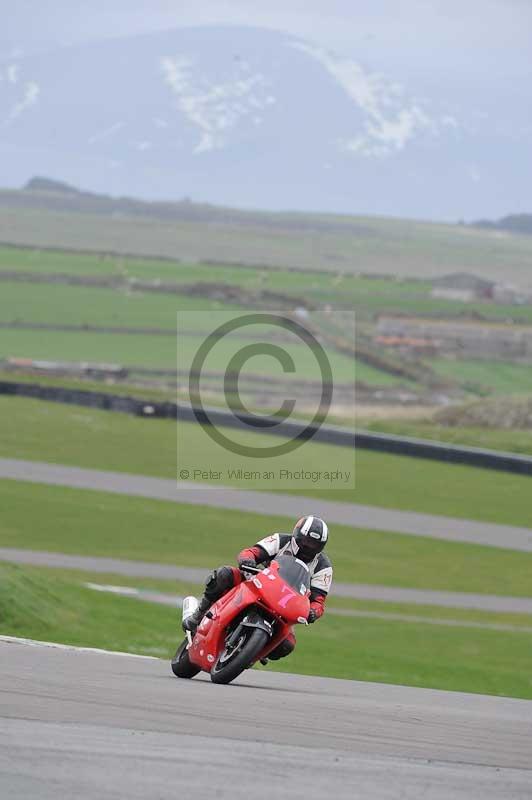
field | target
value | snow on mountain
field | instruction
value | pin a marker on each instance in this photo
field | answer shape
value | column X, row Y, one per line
column 17, row 93
column 213, row 107
column 392, row 119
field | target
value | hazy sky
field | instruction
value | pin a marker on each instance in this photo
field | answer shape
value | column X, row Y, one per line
column 476, row 38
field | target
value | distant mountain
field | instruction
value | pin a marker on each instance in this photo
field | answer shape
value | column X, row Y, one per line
column 256, row 119
column 513, row 223
column 53, row 195
column 39, row 184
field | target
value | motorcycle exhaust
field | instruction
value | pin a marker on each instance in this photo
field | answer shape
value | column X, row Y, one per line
column 190, row 605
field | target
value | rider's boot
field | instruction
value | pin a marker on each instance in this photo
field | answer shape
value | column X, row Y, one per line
column 191, row 623
column 217, row 584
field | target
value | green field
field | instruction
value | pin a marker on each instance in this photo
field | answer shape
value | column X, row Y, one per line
column 162, row 352
column 504, row 378
column 37, row 430
column 24, row 302
column 259, row 277
column 84, row 305
column 58, row 304
column 367, row 295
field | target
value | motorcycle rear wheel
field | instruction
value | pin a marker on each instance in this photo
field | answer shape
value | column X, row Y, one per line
column 229, row 665
column 182, row 666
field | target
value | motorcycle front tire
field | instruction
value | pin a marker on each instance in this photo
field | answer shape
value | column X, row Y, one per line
column 182, row 666
column 255, row 641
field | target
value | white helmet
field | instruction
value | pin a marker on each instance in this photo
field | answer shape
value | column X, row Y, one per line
column 309, row 537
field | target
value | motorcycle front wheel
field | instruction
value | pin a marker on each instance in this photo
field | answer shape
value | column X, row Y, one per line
column 233, row 661
column 182, row 666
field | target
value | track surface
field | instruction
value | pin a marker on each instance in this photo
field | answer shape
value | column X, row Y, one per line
column 91, row 725
column 359, row 591
column 370, row 517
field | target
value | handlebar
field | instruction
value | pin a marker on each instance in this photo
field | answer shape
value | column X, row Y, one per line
column 251, row 570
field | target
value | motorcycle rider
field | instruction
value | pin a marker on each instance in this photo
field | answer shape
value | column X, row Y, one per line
column 306, row 542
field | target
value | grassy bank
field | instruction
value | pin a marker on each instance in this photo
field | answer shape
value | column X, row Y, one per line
column 56, row 608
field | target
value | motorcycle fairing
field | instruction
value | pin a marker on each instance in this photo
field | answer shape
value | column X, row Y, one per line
column 266, row 589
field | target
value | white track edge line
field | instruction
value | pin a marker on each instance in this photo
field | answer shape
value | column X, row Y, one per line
column 36, row 643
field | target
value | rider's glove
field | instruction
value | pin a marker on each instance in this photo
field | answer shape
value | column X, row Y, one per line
column 312, row 617
column 247, row 562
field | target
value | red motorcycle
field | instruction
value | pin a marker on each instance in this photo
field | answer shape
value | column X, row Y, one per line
column 247, row 623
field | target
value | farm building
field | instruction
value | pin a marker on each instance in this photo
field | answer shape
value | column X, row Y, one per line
column 463, row 287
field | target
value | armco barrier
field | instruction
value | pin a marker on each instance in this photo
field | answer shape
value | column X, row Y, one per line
column 80, row 397
column 330, row 434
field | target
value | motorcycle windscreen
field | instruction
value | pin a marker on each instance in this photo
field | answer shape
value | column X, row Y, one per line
column 295, row 573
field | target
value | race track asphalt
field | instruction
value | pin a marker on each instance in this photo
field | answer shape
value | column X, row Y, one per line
column 351, row 514
column 91, row 725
